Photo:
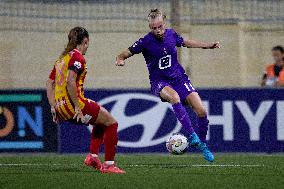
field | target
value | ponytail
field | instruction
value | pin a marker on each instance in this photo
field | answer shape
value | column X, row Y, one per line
column 75, row 37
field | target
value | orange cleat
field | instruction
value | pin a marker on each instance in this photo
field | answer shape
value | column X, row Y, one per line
column 93, row 162
column 111, row 169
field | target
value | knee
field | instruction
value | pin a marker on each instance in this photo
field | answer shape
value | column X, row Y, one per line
column 174, row 98
column 111, row 121
column 105, row 118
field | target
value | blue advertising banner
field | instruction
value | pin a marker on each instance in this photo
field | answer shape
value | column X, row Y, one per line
column 241, row 120
column 25, row 122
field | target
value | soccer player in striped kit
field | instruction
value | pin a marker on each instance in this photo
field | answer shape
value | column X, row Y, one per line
column 168, row 78
column 66, row 97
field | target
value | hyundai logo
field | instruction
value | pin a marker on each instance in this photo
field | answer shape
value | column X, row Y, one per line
column 151, row 119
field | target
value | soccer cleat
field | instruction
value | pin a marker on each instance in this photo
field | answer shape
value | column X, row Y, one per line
column 206, row 152
column 194, row 140
column 111, row 169
column 93, row 162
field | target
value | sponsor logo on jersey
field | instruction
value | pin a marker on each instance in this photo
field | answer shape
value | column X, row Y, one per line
column 78, row 64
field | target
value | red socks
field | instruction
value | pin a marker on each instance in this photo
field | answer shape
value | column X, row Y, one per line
column 110, row 141
column 107, row 135
column 97, row 138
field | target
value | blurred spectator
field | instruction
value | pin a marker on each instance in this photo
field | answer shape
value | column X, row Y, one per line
column 274, row 73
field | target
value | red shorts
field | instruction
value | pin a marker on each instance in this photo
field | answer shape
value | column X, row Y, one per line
column 91, row 110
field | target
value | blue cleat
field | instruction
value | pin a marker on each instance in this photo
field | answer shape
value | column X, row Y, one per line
column 194, row 140
column 206, row 152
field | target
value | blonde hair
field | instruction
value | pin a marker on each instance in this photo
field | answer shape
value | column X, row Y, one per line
column 154, row 13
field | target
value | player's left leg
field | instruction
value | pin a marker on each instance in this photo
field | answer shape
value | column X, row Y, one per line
column 194, row 100
column 97, row 135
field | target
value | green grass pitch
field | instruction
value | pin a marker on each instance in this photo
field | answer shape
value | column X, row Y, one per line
column 144, row 171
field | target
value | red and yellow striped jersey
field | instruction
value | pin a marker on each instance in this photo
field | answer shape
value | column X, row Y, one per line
column 75, row 61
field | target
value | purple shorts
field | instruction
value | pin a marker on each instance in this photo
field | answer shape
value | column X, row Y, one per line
column 181, row 85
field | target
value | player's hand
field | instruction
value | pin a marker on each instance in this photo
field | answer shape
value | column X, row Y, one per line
column 119, row 62
column 54, row 116
column 214, row 45
column 79, row 115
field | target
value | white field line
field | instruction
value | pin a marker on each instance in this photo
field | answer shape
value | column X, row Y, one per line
column 34, row 164
column 197, row 165
column 135, row 165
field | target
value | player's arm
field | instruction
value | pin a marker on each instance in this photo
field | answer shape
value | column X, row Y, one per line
column 50, row 86
column 72, row 91
column 198, row 44
column 264, row 78
column 50, row 91
column 122, row 57
column 279, row 84
column 72, row 87
column 136, row 48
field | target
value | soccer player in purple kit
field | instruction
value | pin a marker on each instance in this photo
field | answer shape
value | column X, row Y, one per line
column 168, row 78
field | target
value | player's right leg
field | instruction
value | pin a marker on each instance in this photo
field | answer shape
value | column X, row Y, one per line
column 110, row 141
column 104, row 130
column 195, row 101
column 170, row 95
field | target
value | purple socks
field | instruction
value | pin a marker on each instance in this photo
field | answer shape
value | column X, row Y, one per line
column 183, row 117
column 202, row 128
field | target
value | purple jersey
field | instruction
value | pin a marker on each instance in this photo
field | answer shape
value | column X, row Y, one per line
column 160, row 55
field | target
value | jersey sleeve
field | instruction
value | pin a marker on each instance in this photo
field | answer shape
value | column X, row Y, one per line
column 52, row 73
column 179, row 39
column 76, row 63
column 137, row 47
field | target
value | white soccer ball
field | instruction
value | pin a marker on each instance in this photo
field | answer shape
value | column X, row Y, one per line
column 177, row 144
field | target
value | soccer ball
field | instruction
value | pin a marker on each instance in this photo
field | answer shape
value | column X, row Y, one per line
column 177, row 144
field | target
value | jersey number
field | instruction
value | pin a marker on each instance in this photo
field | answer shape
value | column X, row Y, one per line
column 165, row 62
column 189, row 87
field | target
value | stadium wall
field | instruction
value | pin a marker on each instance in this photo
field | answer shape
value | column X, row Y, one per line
column 33, row 33
column 27, row 57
